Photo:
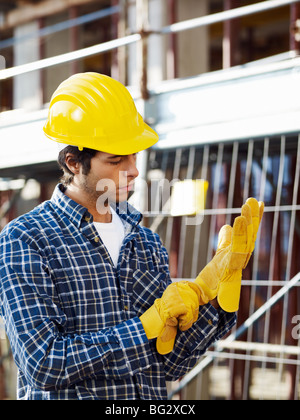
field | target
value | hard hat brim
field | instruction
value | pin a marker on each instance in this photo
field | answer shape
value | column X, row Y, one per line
column 129, row 146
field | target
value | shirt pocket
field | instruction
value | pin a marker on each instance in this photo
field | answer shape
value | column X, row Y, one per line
column 147, row 286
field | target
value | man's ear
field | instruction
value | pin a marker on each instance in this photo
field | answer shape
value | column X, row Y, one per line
column 72, row 163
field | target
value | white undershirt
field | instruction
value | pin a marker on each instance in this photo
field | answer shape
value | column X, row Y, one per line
column 112, row 235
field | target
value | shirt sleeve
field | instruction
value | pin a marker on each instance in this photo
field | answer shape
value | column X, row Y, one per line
column 190, row 345
column 35, row 325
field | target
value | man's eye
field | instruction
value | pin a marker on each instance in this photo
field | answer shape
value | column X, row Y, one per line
column 116, row 162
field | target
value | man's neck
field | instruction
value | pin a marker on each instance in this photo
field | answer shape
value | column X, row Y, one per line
column 100, row 215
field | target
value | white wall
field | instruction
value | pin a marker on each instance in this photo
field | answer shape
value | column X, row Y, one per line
column 57, row 43
column 27, row 87
column 192, row 57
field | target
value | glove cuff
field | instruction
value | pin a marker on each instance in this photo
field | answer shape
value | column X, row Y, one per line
column 206, row 293
column 165, row 343
column 152, row 322
column 230, row 291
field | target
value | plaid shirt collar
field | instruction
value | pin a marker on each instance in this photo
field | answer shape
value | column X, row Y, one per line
column 76, row 212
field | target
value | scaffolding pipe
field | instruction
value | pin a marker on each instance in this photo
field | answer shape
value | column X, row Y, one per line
column 259, row 347
column 244, row 327
column 226, row 15
column 251, row 282
column 61, row 26
column 256, row 358
column 176, row 27
column 68, row 57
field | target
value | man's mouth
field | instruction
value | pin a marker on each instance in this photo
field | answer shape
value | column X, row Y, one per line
column 127, row 188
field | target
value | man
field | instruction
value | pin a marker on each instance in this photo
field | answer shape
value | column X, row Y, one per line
column 85, row 290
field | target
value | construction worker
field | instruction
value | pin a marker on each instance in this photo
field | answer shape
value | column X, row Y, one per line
column 85, row 290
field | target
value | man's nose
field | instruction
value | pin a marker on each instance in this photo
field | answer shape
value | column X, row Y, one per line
column 132, row 170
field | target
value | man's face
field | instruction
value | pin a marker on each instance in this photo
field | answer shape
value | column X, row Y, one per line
column 110, row 176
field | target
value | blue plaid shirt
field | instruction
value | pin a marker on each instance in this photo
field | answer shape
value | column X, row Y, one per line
column 72, row 317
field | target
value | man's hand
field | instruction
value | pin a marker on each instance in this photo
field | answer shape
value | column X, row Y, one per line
column 161, row 319
column 221, row 278
column 243, row 237
column 190, row 295
column 206, row 286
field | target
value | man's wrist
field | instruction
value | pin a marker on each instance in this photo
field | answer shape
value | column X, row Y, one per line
column 215, row 303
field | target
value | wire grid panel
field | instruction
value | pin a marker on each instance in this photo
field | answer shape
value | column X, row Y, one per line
column 267, row 169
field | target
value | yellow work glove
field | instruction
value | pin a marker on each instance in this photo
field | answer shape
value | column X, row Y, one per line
column 242, row 237
column 257, row 211
column 160, row 320
column 209, row 278
column 222, row 276
column 190, row 295
column 197, row 293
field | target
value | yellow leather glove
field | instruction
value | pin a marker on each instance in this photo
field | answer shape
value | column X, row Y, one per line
column 193, row 295
column 160, row 320
column 209, row 278
column 242, row 236
column 230, row 284
column 257, row 211
column 190, row 295
column 222, row 276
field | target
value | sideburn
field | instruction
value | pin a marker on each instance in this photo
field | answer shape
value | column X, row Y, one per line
column 83, row 157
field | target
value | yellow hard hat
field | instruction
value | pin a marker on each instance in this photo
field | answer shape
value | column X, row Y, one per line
column 95, row 111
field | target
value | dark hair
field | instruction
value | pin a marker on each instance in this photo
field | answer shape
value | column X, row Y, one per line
column 83, row 157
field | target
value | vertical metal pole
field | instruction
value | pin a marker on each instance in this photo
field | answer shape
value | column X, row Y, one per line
column 73, row 14
column 183, row 232
column 230, row 39
column 42, row 55
column 295, row 28
column 171, row 53
column 142, row 20
column 118, row 25
column 247, row 186
column 198, row 228
column 248, row 170
column 173, row 224
column 215, row 201
column 115, row 35
column 232, row 180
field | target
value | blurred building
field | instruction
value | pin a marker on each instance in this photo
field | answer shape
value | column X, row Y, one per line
column 218, row 80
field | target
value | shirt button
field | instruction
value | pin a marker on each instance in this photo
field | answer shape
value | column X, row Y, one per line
column 126, row 308
column 140, row 386
column 87, row 219
column 97, row 239
column 210, row 322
